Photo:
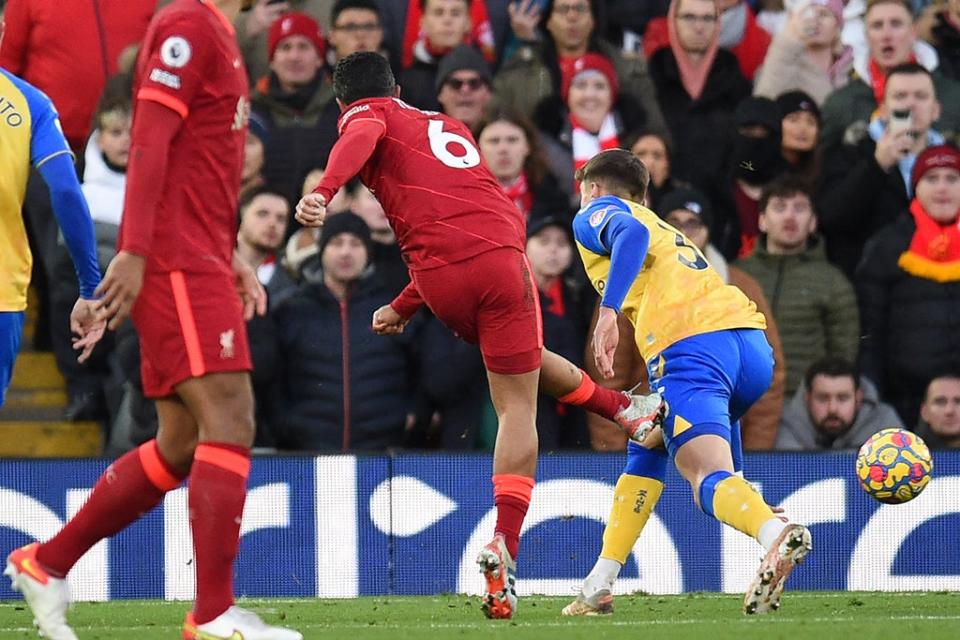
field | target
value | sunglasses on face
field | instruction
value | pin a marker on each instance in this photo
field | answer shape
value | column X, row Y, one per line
column 473, row 83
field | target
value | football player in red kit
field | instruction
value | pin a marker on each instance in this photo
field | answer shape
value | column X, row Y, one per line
column 463, row 242
column 177, row 271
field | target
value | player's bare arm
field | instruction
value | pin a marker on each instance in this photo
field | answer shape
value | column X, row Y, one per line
column 311, row 210
column 86, row 326
column 252, row 294
column 605, row 339
column 120, row 288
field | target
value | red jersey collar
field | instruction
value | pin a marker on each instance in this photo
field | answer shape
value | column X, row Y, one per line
column 222, row 18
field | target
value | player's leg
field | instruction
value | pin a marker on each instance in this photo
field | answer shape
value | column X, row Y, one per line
column 11, row 328
column 636, row 494
column 130, row 487
column 634, row 413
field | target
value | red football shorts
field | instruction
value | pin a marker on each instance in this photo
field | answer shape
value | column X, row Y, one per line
column 189, row 325
column 490, row 300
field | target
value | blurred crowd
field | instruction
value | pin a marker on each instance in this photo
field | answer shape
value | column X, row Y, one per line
column 805, row 146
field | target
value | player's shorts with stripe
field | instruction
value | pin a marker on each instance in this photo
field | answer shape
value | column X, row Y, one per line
column 190, row 324
column 11, row 328
column 490, row 300
column 709, row 381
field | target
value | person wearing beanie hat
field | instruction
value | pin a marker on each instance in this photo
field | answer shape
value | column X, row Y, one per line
column 587, row 63
column 907, row 283
column 346, row 222
column 807, row 54
column 463, row 85
column 800, row 127
column 301, row 49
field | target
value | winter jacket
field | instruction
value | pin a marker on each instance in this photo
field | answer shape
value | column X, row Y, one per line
column 946, row 39
column 343, row 387
column 855, row 101
column 298, row 139
column 702, row 129
column 532, row 74
column 911, row 325
column 787, row 67
column 797, row 432
column 418, row 84
column 813, row 303
column 69, row 49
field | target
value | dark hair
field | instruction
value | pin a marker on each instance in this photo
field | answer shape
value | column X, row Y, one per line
column 344, row 5
column 423, row 4
column 253, row 194
column 903, row 3
column 535, row 165
column 634, row 137
column 364, row 74
column 909, row 69
column 832, row 367
column 784, row 186
column 618, row 169
column 110, row 103
column 946, row 374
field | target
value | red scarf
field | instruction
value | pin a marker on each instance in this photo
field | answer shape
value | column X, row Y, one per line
column 519, row 193
column 878, row 79
column 555, row 295
column 587, row 144
column 934, row 252
column 481, row 34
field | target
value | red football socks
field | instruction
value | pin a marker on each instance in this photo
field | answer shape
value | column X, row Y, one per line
column 604, row 402
column 511, row 494
column 217, row 491
column 130, row 487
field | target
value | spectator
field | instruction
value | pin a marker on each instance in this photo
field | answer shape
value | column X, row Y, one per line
column 355, row 25
column 689, row 211
column 908, row 284
column 565, row 321
column 866, row 182
column 385, row 256
column 568, row 30
column 445, row 25
column 891, row 43
column 940, row 413
column 592, row 116
column 511, row 148
column 945, row 37
column 807, row 54
column 655, row 153
column 104, row 182
column 301, row 253
column 408, row 34
column 264, row 214
column 698, row 86
column 737, row 30
column 251, row 177
column 69, row 50
column 834, row 410
column 343, row 388
column 253, row 29
column 463, row 85
column 812, row 301
column 295, row 104
column 800, row 128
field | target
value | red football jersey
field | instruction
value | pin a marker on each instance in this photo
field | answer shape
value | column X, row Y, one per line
column 440, row 198
column 190, row 63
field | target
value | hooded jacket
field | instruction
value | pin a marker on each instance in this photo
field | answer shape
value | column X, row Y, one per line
column 797, row 432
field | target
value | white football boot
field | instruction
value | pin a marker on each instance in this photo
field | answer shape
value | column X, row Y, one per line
column 643, row 413
column 791, row 547
column 48, row 597
column 499, row 571
column 236, row 624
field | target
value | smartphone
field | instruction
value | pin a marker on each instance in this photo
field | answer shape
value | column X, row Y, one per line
column 900, row 120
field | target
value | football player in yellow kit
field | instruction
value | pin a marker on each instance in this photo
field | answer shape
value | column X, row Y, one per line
column 707, row 356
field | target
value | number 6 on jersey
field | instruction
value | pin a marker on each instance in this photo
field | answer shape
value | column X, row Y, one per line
column 440, row 141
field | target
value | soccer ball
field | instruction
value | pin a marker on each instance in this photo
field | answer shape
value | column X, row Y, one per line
column 894, row 466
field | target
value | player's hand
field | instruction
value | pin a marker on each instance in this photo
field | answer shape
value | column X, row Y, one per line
column 119, row 288
column 387, row 322
column 605, row 339
column 311, row 210
column 262, row 15
column 86, row 327
column 524, row 18
column 251, row 292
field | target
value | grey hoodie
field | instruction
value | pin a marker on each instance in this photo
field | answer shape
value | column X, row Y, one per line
column 797, row 432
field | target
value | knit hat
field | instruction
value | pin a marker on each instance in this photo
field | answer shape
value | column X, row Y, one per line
column 345, row 222
column 835, row 7
column 758, row 110
column 463, row 58
column 538, row 224
column 794, row 101
column 295, row 24
column 688, row 199
column 943, row 155
column 590, row 62
column 258, row 128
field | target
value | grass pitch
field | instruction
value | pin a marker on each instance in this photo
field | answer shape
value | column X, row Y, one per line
column 818, row 616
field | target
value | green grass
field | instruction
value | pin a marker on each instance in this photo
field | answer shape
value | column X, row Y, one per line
column 818, row 616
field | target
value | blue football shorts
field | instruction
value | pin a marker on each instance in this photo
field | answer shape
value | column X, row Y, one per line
column 11, row 328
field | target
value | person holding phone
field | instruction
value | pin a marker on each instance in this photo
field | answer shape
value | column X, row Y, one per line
column 866, row 180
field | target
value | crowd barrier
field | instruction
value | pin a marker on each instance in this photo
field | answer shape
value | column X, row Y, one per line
column 346, row 526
